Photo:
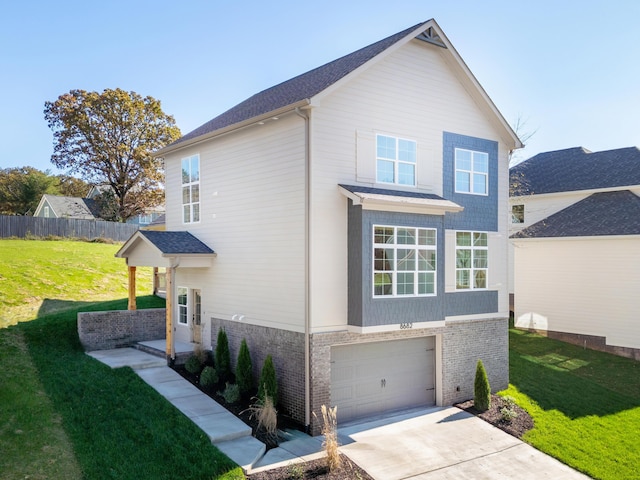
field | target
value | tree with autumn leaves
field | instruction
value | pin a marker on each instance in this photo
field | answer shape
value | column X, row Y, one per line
column 109, row 139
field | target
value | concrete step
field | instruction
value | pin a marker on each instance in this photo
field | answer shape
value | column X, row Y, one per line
column 245, row 451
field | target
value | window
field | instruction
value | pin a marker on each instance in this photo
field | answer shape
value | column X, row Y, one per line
column 404, row 261
column 517, row 214
column 472, row 172
column 182, row 305
column 471, row 260
column 191, row 189
column 395, row 160
column 46, row 212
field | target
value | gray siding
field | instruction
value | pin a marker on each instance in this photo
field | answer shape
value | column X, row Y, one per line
column 471, row 303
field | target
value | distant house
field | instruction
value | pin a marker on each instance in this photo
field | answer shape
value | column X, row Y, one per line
column 358, row 214
column 55, row 206
column 576, row 235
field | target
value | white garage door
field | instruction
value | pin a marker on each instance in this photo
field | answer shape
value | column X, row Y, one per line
column 372, row 378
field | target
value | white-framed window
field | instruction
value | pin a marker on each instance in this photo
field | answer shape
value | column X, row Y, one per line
column 472, row 172
column 46, row 212
column 395, row 160
column 191, row 189
column 517, row 214
column 472, row 258
column 182, row 305
column 404, row 261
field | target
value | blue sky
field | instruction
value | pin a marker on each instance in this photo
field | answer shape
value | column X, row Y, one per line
column 569, row 68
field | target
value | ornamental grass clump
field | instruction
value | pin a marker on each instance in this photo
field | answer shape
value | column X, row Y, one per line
column 481, row 389
column 264, row 411
column 330, row 432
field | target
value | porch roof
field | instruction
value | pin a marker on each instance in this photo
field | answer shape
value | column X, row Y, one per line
column 154, row 248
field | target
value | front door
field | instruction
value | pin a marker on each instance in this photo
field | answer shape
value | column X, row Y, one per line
column 196, row 317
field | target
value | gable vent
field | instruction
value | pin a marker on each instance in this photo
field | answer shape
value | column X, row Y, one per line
column 431, row 36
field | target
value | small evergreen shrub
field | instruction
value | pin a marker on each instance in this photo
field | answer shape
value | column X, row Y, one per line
column 208, row 377
column 223, row 357
column 193, row 365
column 481, row 389
column 268, row 383
column 244, row 369
column 231, row 393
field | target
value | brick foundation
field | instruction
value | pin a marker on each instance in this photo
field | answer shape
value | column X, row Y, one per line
column 120, row 328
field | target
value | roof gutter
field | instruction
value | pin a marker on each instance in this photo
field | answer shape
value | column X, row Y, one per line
column 231, row 128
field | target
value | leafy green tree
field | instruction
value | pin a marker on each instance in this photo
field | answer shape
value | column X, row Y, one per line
column 22, row 188
column 109, row 138
column 244, row 369
column 223, row 356
column 268, row 382
column 481, row 388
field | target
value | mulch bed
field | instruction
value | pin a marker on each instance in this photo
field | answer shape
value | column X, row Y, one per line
column 314, row 469
column 517, row 426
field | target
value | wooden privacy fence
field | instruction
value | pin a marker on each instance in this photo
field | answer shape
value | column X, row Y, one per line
column 23, row 227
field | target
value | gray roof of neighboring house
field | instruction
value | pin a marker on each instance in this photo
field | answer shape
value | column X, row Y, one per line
column 176, row 243
column 395, row 193
column 575, row 169
column 73, row 207
column 298, row 88
column 607, row 213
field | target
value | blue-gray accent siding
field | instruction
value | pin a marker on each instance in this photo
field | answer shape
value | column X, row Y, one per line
column 471, row 303
column 480, row 211
column 366, row 311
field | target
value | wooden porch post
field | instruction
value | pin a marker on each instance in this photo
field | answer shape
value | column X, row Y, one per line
column 156, row 281
column 132, row 288
column 169, row 312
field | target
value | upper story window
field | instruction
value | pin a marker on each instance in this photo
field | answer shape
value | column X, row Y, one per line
column 404, row 261
column 395, row 160
column 191, row 189
column 517, row 214
column 472, row 172
column 471, row 260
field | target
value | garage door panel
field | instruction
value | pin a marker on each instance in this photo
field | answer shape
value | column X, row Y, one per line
column 382, row 376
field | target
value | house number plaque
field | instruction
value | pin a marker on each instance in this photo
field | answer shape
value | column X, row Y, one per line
column 405, row 326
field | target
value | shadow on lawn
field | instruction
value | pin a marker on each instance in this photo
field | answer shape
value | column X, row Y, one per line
column 563, row 377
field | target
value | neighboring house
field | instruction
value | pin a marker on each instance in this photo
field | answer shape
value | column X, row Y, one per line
column 358, row 214
column 55, row 206
column 146, row 219
column 575, row 235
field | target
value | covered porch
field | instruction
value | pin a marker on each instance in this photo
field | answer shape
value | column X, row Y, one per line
column 170, row 251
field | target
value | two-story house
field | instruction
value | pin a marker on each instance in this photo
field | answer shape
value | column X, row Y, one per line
column 575, row 230
column 352, row 222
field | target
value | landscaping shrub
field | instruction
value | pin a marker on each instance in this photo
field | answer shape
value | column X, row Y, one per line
column 231, row 393
column 223, row 357
column 244, row 369
column 481, row 389
column 268, row 383
column 330, row 432
column 209, row 377
column 265, row 412
column 193, row 365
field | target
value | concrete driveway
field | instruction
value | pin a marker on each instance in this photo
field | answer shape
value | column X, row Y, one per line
column 445, row 443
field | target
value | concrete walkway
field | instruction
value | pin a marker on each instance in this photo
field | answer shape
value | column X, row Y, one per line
column 433, row 444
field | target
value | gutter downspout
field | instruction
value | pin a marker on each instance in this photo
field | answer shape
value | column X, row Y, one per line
column 307, row 267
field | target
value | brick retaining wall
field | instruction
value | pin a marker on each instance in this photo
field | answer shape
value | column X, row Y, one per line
column 120, row 328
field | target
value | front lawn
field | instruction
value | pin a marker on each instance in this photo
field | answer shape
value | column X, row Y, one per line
column 585, row 404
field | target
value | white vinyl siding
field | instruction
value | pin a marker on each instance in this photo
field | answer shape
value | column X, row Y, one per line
column 556, row 288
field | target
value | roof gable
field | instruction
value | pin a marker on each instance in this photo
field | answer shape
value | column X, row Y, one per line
column 299, row 90
column 575, row 169
column 600, row 214
column 72, row 207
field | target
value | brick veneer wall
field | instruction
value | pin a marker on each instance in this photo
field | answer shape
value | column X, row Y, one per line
column 120, row 328
column 463, row 343
column 285, row 347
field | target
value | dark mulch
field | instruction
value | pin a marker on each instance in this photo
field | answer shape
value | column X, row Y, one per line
column 314, row 469
column 517, row 426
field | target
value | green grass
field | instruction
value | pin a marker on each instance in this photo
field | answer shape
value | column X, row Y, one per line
column 41, row 277
column 65, row 415
column 585, row 404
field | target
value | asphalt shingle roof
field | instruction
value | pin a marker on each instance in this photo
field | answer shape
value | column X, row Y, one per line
column 395, row 193
column 575, row 169
column 607, row 213
column 73, row 207
column 176, row 243
column 299, row 88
